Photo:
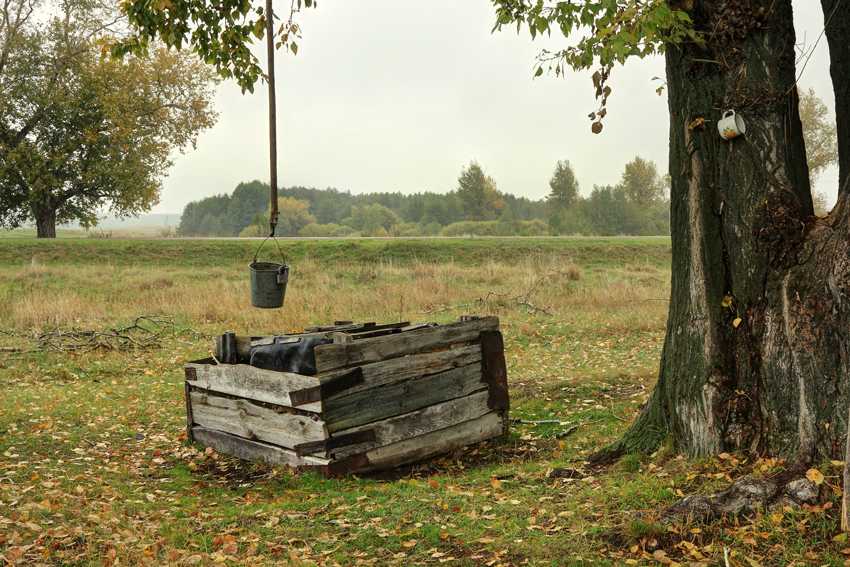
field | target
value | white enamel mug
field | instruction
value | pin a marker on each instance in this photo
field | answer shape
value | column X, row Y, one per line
column 731, row 125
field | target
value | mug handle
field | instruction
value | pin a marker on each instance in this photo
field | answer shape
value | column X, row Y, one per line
column 728, row 113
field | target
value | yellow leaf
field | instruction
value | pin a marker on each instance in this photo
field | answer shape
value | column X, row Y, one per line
column 815, row 476
column 840, row 538
column 752, row 562
column 485, row 540
column 736, row 322
column 777, row 518
column 727, row 301
column 837, row 463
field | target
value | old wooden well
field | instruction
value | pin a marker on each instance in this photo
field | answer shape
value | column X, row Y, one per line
column 375, row 397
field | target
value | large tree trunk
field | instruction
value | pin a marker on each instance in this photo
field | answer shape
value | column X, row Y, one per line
column 45, row 222
column 768, row 372
column 837, row 21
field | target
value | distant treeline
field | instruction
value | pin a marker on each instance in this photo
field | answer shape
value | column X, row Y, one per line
column 475, row 208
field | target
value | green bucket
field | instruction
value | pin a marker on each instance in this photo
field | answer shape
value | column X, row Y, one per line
column 268, row 282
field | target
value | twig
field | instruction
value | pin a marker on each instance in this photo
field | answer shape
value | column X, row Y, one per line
column 568, row 432
column 526, row 422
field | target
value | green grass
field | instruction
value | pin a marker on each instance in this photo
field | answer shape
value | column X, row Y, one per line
column 95, row 467
column 588, row 253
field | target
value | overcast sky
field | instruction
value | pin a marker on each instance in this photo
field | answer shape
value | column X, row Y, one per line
column 399, row 95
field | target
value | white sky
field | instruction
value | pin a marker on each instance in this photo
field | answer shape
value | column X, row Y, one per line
column 397, row 95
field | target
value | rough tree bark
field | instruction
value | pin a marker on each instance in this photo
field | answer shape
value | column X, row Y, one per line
column 775, row 382
column 45, row 222
column 836, row 15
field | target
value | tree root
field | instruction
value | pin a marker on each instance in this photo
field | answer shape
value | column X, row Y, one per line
column 745, row 496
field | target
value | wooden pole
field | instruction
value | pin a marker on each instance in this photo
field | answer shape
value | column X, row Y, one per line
column 272, row 118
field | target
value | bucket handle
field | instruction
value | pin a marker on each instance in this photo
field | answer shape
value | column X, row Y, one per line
column 278, row 249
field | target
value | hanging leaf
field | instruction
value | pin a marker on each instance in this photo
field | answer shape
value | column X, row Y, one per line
column 727, row 301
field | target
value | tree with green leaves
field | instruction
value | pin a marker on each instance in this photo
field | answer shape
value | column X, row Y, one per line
column 78, row 132
column 294, row 215
column 477, row 191
column 819, row 134
column 756, row 334
column 563, row 197
column 640, row 182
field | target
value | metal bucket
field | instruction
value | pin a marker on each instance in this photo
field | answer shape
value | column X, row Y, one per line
column 268, row 281
column 268, row 284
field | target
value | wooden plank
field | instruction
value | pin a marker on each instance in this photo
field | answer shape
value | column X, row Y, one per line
column 434, row 443
column 495, row 373
column 403, row 368
column 363, row 407
column 246, row 381
column 253, row 450
column 415, row 423
column 325, row 445
column 242, row 418
column 364, row 351
column 340, row 382
column 189, row 421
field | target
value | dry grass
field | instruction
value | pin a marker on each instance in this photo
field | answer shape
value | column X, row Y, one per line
column 49, row 296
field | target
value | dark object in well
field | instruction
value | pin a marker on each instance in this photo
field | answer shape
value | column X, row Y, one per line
column 287, row 355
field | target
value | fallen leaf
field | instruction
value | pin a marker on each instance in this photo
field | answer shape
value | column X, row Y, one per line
column 486, row 540
column 736, row 322
column 815, row 476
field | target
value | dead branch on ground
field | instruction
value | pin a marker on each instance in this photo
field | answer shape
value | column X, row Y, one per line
column 524, row 299
column 147, row 332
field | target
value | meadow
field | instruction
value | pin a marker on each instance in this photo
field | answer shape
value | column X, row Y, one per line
column 95, row 467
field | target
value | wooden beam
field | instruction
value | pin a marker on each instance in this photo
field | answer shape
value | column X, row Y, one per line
column 415, row 423
column 364, row 351
column 434, row 443
column 495, row 373
column 242, row 418
column 341, row 382
column 253, row 450
column 398, row 369
column 351, row 410
column 246, row 381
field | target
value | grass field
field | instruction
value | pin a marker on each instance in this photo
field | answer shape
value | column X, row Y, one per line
column 95, row 468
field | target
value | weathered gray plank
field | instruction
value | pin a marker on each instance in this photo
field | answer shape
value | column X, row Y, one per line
column 351, row 410
column 253, row 450
column 248, row 382
column 403, row 368
column 416, row 423
column 364, row 351
column 434, row 443
column 242, row 418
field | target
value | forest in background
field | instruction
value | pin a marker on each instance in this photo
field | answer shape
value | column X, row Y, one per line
column 637, row 205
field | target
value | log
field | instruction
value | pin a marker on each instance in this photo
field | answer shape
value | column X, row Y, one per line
column 365, row 351
column 253, row 450
column 415, row 423
column 248, row 382
column 434, row 443
column 355, row 409
column 242, row 418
